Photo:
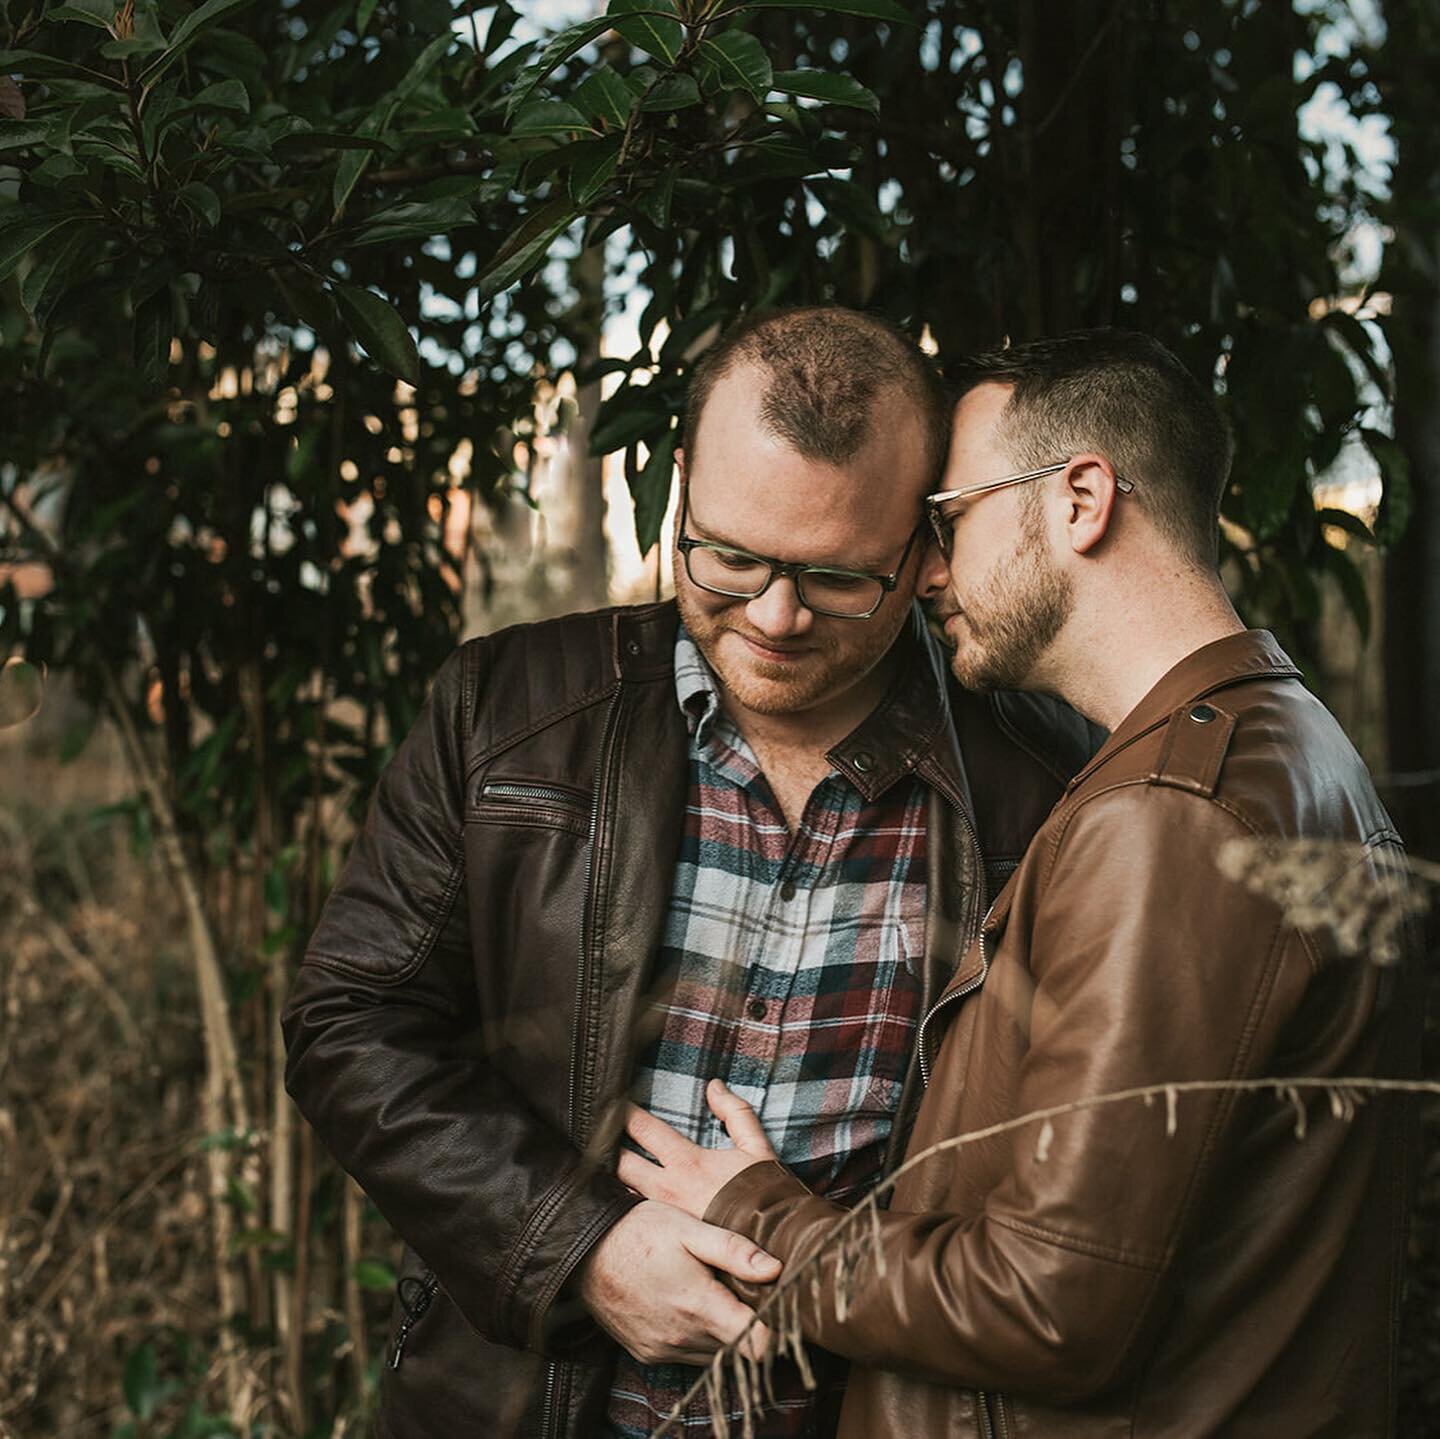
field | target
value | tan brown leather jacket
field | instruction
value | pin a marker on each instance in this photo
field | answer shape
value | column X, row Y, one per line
column 1116, row 1278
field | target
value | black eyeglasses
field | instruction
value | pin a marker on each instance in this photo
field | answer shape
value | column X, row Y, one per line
column 740, row 575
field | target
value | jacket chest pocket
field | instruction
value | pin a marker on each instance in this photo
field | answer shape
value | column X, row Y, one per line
column 519, row 800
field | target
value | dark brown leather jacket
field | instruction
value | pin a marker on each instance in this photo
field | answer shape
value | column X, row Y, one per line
column 465, row 1019
column 1112, row 1277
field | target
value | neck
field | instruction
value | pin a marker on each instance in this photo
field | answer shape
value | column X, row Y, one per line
column 1113, row 651
column 815, row 731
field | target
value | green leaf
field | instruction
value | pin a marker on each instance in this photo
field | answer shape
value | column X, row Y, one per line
column 831, row 88
column 555, row 54
column 51, row 270
column 604, row 96
column 15, row 134
column 651, row 492
column 16, row 242
column 306, row 301
column 187, row 32
column 1344, row 520
column 419, row 72
column 40, row 67
column 739, row 61
column 354, row 163
column 870, row 9
column 655, row 202
column 526, row 247
column 140, row 1381
column 649, row 26
column 1352, row 586
column 100, row 13
column 154, row 329
column 409, row 221
column 1399, row 497
column 223, row 95
column 626, row 418
column 363, row 11
column 549, row 117
column 592, row 170
column 373, row 1274
column 671, row 92
column 202, row 200
column 378, row 327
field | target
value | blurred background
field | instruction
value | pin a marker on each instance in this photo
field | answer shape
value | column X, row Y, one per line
column 334, row 333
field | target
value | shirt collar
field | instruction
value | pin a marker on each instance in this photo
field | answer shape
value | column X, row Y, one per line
column 910, row 724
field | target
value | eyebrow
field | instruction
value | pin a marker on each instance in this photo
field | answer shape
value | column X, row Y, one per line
column 875, row 568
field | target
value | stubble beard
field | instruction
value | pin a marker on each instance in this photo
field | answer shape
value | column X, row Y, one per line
column 1026, row 602
column 764, row 688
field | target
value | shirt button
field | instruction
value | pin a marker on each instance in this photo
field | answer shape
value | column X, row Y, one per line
column 787, row 890
column 757, row 1009
column 863, row 761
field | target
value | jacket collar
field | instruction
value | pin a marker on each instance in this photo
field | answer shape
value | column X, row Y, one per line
column 1253, row 654
column 910, row 726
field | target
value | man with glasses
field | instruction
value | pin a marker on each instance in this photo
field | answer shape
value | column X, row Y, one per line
column 746, row 836
column 1212, row 1261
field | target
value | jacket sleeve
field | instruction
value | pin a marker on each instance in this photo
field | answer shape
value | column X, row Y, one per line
column 1146, row 967
column 387, row 1057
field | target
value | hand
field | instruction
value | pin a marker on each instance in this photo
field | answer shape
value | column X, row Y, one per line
column 649, row 1284
column 688, row 1176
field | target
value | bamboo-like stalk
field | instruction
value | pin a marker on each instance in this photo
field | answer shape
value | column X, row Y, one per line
column 223, row 1103
column 354, row 1213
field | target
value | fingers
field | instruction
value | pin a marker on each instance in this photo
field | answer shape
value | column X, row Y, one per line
column 731, row 1253
column 664, row 1142
column 729, row 1318
column 641, row 1175
column 740, row 1121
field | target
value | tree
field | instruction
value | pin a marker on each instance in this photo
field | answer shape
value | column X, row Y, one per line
column 281, row 281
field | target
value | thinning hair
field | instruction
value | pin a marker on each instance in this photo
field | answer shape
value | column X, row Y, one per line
column 1126, row 396
column 828, row 374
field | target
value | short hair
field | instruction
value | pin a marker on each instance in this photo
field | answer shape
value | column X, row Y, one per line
column 826, row 370
column 1125, row 395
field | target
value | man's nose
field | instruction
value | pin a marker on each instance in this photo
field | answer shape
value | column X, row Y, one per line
column 778, row 613
column 934, row 573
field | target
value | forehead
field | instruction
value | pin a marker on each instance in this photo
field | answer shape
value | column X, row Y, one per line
column 753, row 488
column 979, row 412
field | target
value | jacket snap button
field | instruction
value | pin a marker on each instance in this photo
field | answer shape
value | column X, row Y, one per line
column 757, row 1009
column 1202, row 714
column 632, row 647
column 864, row 761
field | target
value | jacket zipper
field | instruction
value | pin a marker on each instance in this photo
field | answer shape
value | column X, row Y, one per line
column 582, row 986
column 982, row 1411
column 550, row 1420
column 412, row 1317
column 540, row 793
column 950, row 998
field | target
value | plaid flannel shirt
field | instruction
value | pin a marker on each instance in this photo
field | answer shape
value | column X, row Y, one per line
column 788, row 969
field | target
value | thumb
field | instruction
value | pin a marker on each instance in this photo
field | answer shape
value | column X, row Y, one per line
column 731, row 1253
column 740, row 1121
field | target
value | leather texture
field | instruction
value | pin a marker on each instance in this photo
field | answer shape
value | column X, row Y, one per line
column 463, row 1028
column 1122, row 1274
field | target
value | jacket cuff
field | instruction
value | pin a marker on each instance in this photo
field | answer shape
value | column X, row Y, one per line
column 740, row 1205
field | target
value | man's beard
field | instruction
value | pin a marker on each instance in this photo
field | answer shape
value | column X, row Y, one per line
column 828, row 667
column 1011, row 619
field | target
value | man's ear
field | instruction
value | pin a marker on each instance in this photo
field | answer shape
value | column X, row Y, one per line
column 1090, row 492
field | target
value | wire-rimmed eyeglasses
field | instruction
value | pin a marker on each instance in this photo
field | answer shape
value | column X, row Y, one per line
column 942, row 524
